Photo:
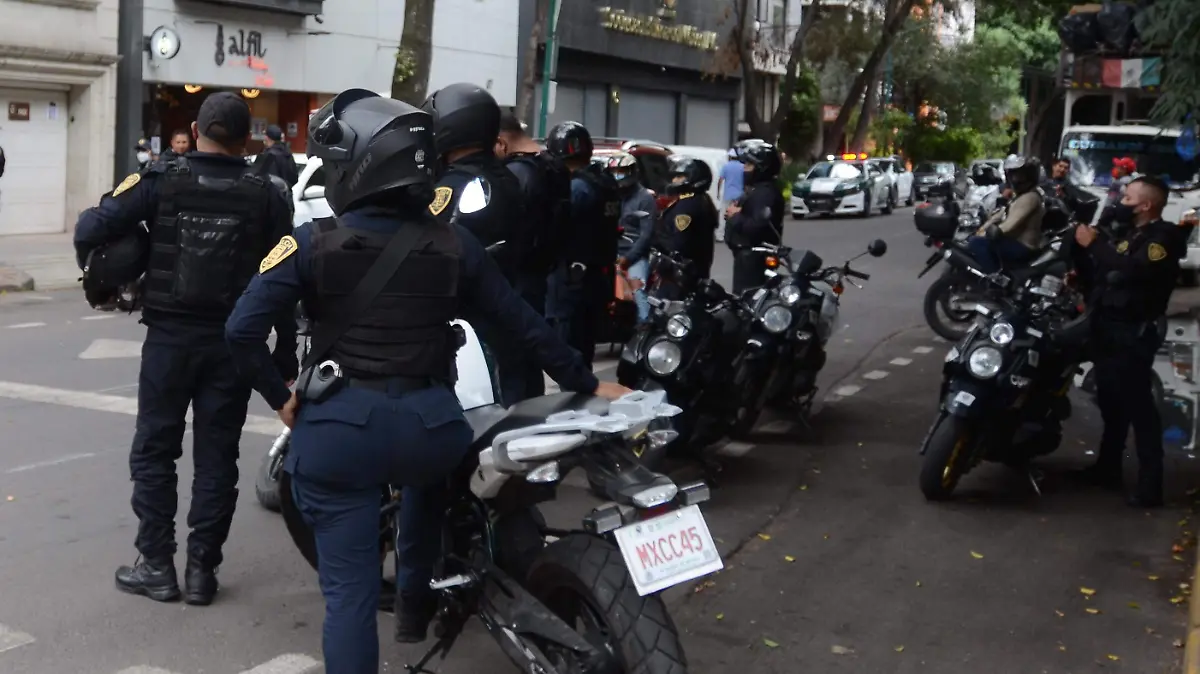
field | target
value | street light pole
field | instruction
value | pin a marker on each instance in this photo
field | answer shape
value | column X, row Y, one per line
column 548, row 59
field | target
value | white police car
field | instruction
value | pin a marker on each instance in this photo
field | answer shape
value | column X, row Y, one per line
column 847, row 186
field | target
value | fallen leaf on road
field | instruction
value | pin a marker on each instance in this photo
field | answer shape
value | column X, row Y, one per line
column 826, row 537
column 1152, row 577
column 1113, row 657
column 1059, row 613
column 1177, row 548
column 976, row 555
column 770, row 644
column 841, row 650
column 12, row 498
column 1176, row 600
column 720, row 616
column 704, row 586
column 918, row 583
column 1062, row 648
column 1183, row 522
column 789, row 558
column 803, row 487
column 1177, row 558
column 1136, row 564
column 860, row 444
column 1087, row 590
column 899, row 649
column 1133, row 605
column 765, row 537
column 1093, row 611
column 817, row 471
column 1178, row 643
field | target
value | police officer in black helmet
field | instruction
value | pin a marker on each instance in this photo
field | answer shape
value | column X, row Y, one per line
column 757, row 217
column 466, row 124
column 690, row 222
column 583, row 283
column 211, row 220
column 383, row 408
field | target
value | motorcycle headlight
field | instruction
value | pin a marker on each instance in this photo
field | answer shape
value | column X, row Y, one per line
column 1002, row 333
column 679, row 326
column 776, row 318
column 985, row 362
column 663, row 358
column 789, row 294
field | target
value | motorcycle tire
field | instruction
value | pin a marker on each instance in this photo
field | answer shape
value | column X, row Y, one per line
column 937, row 295
column 583, row 579
column 890, row 204
column 266, row 482
column 750, row 402
column 947, row 457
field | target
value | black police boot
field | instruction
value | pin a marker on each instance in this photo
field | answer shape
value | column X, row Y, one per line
column 200, row 581
column 154, row 578
column 414, row 612
column 1149, row 492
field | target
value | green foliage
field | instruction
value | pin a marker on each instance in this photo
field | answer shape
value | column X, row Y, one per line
column 926, row 142
column 790, row 173
column 800, row 129
column 1023, row 12
column 889, row 130
column 1175, row 26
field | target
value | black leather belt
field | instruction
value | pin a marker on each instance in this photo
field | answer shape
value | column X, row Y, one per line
column 393, row 386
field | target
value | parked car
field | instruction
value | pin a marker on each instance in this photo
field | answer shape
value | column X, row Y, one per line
column 899, row 177
column 847, row 186
column 308, row 196
column 929, row 173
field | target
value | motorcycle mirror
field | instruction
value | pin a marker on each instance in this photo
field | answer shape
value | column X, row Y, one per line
column 475, row 197
column 877, row 248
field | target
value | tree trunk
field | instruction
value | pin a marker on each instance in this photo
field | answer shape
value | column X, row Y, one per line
column 890, row 28
column 410, row 80
column 864, row 117
column 763, row 126
column 529, row 77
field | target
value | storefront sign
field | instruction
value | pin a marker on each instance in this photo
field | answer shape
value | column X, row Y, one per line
column 654, row 27
column 18, row 112
column 249, row 50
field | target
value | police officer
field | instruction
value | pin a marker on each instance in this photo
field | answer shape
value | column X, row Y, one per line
column 756, row 218
column 689, row 222
column 276, row 157
column 583, row 282
column 1132, row 279
column 639, row 213
column 546, row 193
column 210, row 221
column 391, row 413
column 466, row 125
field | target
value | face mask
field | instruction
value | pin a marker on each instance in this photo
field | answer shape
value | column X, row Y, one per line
column 143, row 157
column 1123, row 213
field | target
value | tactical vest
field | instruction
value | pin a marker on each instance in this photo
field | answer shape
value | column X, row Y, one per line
column 407, row 331
column 503, row 219
column 604, row 220
column 551, row 212
column 208, row 238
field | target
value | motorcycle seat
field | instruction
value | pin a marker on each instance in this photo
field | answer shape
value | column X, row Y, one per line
column 491, row 420
column 1049, row 265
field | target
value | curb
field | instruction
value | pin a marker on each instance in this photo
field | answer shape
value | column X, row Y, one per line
column 1191, row 653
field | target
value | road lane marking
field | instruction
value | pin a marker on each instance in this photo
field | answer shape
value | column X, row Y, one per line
column 99, row 402
column 10, row 639
column 101, row 349
column 875, row 375
column 101, row 317
column 22, row 326
column 923, row 350
column 143, row 669
column 846, row 391
column 900, row 361
column 289, row 663
column 49, row 462
column 735, row 449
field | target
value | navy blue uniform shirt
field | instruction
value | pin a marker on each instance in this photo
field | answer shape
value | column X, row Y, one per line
column 481, row 286
column 120, row 212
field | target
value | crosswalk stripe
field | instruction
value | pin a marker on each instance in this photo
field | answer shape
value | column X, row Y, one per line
column 288, row 663
column 142, row 669
column 10, row 638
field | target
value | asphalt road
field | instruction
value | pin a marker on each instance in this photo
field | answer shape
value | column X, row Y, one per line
column 67, row 387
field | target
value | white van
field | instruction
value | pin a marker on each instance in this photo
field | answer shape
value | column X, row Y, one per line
column 714, row 157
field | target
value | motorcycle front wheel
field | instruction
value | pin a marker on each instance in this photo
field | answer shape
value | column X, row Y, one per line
column 583, row 580
column 947, row 457
column 939, row 297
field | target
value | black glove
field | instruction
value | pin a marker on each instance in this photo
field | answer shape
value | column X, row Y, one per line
column 286, row 363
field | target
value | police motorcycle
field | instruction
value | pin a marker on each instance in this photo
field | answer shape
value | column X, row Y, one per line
column 579, row 601
column 794, row 314
column 1005, row 383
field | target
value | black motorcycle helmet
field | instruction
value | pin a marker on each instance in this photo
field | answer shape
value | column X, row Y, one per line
column 464, row 116
column 570, row 140
column 374, row 149
column 687, row 174
column 109, row 270
column 762, row 157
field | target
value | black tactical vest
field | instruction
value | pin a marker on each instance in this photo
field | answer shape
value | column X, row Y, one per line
column 604, row 220
column 503, row 219
column 208, row 238
column 407, row 331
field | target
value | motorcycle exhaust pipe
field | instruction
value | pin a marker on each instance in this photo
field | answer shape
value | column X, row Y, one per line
column 280, row 442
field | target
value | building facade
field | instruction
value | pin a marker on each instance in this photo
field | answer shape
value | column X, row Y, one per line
column 641, row 69
column 288, row 57
column 57, row 110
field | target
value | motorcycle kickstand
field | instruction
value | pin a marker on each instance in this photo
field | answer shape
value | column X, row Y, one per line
column 441, row 648
column 1033, row 474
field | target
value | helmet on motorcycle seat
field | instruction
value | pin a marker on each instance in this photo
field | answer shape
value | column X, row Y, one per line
column 464, row 116
column 623, row 167
column 762, row 157
column 375, row 150
column 687, row 174
column 1022, row 172
column 569, row 140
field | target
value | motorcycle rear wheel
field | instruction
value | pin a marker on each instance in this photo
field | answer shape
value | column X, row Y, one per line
column 583, row 580
column 938, row 296
column 947, row 458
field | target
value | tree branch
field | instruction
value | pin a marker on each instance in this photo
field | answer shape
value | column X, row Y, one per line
column 788, row 88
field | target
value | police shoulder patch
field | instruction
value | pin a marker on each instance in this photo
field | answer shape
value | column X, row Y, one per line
column 682, row 222
column 1156, row 252
column 126, row 184
column 687, row 195
column 1122, row 247
column 441, row 199
column 286, row 246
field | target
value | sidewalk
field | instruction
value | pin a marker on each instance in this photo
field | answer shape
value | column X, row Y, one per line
column 37, row 262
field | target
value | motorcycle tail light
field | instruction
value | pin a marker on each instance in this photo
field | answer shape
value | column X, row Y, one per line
column 772, row 262
column 838, row 289
column 651, row 513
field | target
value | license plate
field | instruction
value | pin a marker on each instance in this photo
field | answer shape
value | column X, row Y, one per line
column 668, row 550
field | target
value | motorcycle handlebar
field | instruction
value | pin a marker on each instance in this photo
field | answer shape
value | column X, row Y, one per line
column 857, row 274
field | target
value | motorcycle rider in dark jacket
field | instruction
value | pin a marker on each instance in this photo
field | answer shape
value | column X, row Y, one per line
column 633, row 248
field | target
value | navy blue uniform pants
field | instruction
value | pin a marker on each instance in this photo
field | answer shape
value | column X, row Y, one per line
column 1124, row 362
column 574, row 309
column 174, row 376
column 342, row 451
column 995, row 254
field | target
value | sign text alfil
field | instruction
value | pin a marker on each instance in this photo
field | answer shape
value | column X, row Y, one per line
column 653, row 27
column 247, row 44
